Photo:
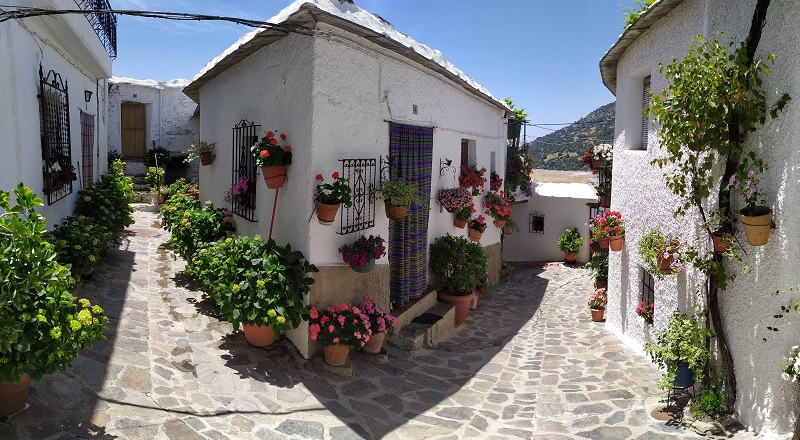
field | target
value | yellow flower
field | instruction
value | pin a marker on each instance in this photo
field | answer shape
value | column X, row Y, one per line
column 235, row 288
column 272, row 313
column 281, row 319
column 209, row 203
column 55, row 332
column 74, row 325
column 41, row 318
column 97, row 310
column 84, row 302
column 85, row 317
column 260, row 284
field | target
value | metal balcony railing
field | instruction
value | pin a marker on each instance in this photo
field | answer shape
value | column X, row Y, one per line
column 103, row 23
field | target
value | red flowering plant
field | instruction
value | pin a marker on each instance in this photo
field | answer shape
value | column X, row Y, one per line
column 379, row 321
column 519, row 167
column 364, row 249
column 466, row 212
column 339, row 324
column 454, row 199
column 586, row 158
column 497, row 206
column 646, row 310
column 611, row 224
column 333, row 193
column 471, row 177
column 271, row 152
column 478, row 223
column 495, row 182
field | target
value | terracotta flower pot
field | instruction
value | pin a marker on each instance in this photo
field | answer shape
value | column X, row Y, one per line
column 665, row 264
column 499, row 223
column 375, row 343
column 598, row 315
column 615, row 242
column 570, row 258
column 723, row 242
column 326, row 214
column 395, row 212
column 757, row 227
column 605, row 201
column 508, row 230
column 274, row 176
column 601, row 284
column 460, row 224
column 453, row 210
column 194, row 193
column 461, row 304
column 603, row 243
column 336, row 355
column 14, row 396
column 259, row 335
column 206, row 159
column 475, row 235
column 161, row 198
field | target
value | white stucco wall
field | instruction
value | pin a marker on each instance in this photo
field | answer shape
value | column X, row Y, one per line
column 764, row 402
column 71, row 48
column 564, row 207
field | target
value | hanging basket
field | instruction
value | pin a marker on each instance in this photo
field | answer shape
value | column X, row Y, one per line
column 274, row 176
column 757, row 225
column 665, row 264
column 395, row 212
column 326, row 214
column 475, row 235
column 365, row 268
column 615, row 243
column 206, row 159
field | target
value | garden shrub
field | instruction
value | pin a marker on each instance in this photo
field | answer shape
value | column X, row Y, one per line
column 108, row 200
column 172, row 211
column 197, row 228
column 79, row 241
column 458, row 264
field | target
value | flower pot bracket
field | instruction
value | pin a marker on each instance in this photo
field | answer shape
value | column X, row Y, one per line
column 446, row 166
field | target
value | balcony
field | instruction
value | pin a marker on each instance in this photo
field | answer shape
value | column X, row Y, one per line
column 104, row 24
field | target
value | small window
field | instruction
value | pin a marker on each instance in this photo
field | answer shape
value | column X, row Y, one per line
column 648, row 286
column 536, row 223
column 492, row 160
column 645, row 120
column 57, row 169
column 87, row 144
column 464, row 153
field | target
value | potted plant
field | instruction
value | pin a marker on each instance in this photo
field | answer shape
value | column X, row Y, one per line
column 202, row 150
column 604, row 194
column 570, row 243
column 597, row 304
column 273, row 156
column 463, row 215
column 722, row 237
column 680, row 350
column 338, row 329
column 361, row 254
column 613, row 227
column 495, row 182
column 646, row 310
column 453, row 199
column 498, row 207
column 598, row 266
column 197, row 229
column 601, row 156
column 755, row 216
column 476, row 228
column 515, row 124
column 155, row 178
column 379, row 322
column 256, row 283
column 457, row 266
column 79, row 240
column 510, row 226
column 398, row 195
column 597, row 231
column 44, row 326
column 328, row 197
column 661, row 253
column 243, row 193
column 472, row 178
column 790, row 371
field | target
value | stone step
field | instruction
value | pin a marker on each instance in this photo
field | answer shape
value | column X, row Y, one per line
column 142, row 197
column 141, row 187
column 427, row 329
column 145, row 207
column 405, row 316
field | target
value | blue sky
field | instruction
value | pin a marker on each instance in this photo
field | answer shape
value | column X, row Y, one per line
column 542, row 53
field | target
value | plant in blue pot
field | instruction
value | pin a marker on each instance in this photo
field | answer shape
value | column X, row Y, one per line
column 680, row 351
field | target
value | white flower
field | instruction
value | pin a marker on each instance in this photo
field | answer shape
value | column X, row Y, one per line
column 786, row 377
column 55, row 167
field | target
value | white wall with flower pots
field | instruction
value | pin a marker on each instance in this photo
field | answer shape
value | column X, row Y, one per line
column 68, row 45
column 765, row 402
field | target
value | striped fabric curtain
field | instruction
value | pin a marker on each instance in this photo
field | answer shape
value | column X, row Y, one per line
column 411, row 158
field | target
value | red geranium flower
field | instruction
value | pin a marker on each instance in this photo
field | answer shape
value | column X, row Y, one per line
column 270, row 134
column 283, row 136
column 335, row 175
column 288, row 148
column 273, row 142
column 264, row 153
column 319, row 177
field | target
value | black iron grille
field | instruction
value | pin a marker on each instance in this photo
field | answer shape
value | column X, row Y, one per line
column 57, row 169
column 103, row 23
column 361, row 174
column 245, row 135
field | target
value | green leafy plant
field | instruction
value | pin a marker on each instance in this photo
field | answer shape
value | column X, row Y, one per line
column 43, row 328
column 196, row 150
column 683, row 340
column 710, row 402
column 506, row 269
column 173, row 210
column 155, row 176
column 179, row 186
column 197, row 229
column 108, row 201
column 519, row 113
column 457, row 264
column 113, row 156
column 255, row 282
column 632, row 14
column 603, row 189
column 333, row 193
column 158, row 157
column 570, row 241
column 399, row 192
column 654, row 245
column 598, row 266
column 79, row 241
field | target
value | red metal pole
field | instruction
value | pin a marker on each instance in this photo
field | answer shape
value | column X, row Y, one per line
column 274, row 208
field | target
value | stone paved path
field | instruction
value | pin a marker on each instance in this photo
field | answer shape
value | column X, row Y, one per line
column 528, row 364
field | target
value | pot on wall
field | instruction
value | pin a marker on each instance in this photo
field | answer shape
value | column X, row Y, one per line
column 723, row 242
column 365, row 268
column 685, row 376
column 598, row 315
column 274, row 176
column 665, row 264
column 459, row 223
column 598, row 163
column 461, row 303
column 206, row 158
column 570, row 257
column 757, row 224
column 603, row 242
column 475, row 235
column 605, row 201
column 600, row 284
column 326, row 214
column 259, row 335
column 615, row 242
column 14, row 396
column 336, row 355
column 395, row 212
column 375, row 343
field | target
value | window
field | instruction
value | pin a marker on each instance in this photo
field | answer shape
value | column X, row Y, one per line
column 243, row 171
column 536, row 223
column 87, row 146
column 468, row 153
column 645, row 120
column 492, row 160
column 648, row 286
column 57, row 169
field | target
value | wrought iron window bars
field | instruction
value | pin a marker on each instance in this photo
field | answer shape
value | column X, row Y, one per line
column 57, row 169
column 243, row 171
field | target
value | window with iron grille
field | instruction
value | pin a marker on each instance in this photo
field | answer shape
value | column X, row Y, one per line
column 57, row 170
column 645, row 119
column 243, row 173
column 536, row 223
column 361, row 175
column 87, row 146
column 648, row 286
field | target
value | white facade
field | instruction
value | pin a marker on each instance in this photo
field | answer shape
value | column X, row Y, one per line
column 563, row 206
column 765, row 402
column 69, row 46
column 169, row 113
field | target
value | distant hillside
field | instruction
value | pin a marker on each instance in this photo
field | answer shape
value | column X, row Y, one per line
column 561, row 149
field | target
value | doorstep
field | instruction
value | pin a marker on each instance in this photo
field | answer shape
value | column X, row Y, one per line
column 424, row 328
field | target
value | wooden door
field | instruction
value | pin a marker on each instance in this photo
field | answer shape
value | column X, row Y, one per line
column 133, row 130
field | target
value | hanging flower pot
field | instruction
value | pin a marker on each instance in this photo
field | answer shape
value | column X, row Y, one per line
column 723, row 242
column 375, row 343
column 361, row 254
column 757, row 224
column 685, row 376
column 598, row 315
column 461, row 303
column 605, row 201
column 206, row 158
column 336, row 355
column 571, row 257
column 603, row 243
column 475, row 235
column 615, row 243
column 665, row 264
column 14, row 396
column 365, row 268
column 500, row 223
column 259, row 335
column 326, row 214
column 460, row 223
column 476, row 228
column 274, row 176
column 395, row 212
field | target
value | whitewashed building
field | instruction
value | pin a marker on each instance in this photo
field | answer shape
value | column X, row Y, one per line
column 765, row 402
column 337, row 86
column 53, row 102
column 147, row 113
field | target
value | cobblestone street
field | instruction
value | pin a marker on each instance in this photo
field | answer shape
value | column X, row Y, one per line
column 528, row 364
